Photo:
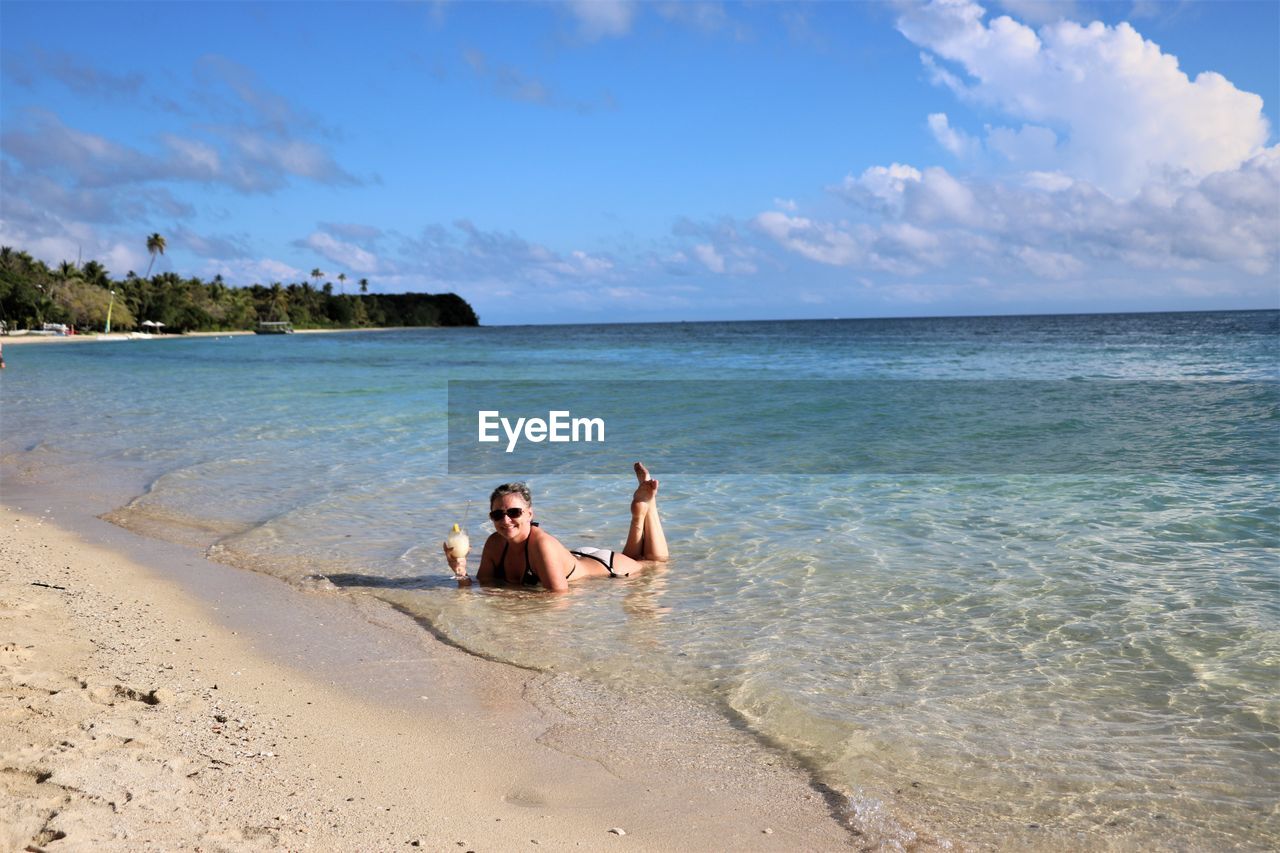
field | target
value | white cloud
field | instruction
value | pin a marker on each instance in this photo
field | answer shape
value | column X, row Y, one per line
column 1043, row 11
column 956, row 141
column 603, row 18
column 1044, row 223
column 353, row 231
column 879, row 187
column 119, row 259
column 265, row 161
column 938, row 197
column 252, row 162
column 824, row 242
column 1047, row 181
column 1232, row 217
column 940, row 76
column 58, row 242
column 705, row 16
column 898, row 190
column 67, row 69
column 43, row 145
column 628, row 294
column 468, row 255
column 915, row 293
column 1056, row 265
column 587, row 265
column 208, row 246
column 719, row 247
column 709, row 257
column 507, row 81
column 913, row 239
column 1123, row 109
column 1029, row 147
column 192, row 156
column 243, row 271
column 346, row 255
column 253, row 104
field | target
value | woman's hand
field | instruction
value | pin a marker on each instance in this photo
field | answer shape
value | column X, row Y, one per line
column 459, row 566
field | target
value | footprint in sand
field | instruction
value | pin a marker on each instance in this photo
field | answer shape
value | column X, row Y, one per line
column 119, row 692
column 14, row 653
column 527, row 797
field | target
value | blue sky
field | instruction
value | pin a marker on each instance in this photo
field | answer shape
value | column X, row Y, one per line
column 617, row 161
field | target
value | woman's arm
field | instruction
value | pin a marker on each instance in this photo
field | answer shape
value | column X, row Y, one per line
column 549, row 559
column 489, row 559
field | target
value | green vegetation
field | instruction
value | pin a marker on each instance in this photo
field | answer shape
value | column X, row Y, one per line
column 32, row 294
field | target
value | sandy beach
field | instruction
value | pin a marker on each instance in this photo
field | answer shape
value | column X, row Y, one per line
column 95, row 337
column 23, row 340
column 91, row 337
column 145, row 711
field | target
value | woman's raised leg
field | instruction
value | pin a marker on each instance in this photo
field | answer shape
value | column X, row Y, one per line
column 645, row 538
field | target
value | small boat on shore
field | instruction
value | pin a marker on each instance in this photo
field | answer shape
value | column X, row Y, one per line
column 274, row 327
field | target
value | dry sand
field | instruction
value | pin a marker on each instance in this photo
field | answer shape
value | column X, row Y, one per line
column 90, row 337
column 231, row 712
column 115, row 337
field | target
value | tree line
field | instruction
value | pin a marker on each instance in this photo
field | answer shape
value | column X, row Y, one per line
column 32, row 294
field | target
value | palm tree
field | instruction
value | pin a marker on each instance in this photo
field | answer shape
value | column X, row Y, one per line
column 68, row 271
column 279, row 303
column 155, row 245
column 63, row 276
column 342, row 282
column 316, row 274
column 95, row 273
column 364, row 285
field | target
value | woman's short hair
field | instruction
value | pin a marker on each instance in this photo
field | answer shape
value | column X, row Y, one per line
column 512, row 489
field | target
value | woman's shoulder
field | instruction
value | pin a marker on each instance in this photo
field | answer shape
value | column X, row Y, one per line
column 542, row 539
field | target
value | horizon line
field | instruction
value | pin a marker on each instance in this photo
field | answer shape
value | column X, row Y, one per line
column 888, row 317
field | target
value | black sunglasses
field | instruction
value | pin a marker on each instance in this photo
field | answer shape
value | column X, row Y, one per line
column 512, row 513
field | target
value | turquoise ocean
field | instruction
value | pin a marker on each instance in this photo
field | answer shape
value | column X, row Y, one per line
column 1091, row 646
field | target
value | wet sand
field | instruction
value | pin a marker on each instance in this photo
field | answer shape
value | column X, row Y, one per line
column 153, row 699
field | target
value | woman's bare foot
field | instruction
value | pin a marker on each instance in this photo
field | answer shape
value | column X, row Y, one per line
column 647, row 493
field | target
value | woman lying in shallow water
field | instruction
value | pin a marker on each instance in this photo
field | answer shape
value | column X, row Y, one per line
column 521, row 553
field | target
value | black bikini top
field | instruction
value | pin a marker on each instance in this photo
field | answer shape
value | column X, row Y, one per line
column 530, row 577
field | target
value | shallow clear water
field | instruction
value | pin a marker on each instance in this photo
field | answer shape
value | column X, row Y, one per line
column 1095, row 650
